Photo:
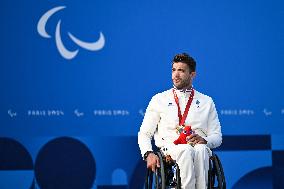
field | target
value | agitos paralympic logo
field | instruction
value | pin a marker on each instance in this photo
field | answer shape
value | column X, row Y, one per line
column 65, row 53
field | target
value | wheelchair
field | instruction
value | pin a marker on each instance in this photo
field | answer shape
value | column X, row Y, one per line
column 167, row 176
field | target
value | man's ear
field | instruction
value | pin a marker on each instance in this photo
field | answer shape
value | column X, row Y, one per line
column 193, row 75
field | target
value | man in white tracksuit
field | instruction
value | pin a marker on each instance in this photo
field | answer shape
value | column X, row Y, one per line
column 175, row 108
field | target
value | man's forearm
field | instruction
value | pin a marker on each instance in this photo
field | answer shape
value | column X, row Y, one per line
column 144, row 142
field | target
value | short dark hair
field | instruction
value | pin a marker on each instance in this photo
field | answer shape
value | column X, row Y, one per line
column 187, row 59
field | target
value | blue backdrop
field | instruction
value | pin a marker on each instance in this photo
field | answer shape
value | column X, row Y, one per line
column 76, row 78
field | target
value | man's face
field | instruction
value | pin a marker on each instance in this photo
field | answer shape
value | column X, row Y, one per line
column 181, row 75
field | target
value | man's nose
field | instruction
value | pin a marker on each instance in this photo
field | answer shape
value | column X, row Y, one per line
column 175, row 74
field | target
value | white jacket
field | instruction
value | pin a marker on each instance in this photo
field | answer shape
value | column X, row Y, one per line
column 161, row 120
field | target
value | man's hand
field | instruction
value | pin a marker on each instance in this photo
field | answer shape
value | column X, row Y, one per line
column 152, row 161
column 196, row 139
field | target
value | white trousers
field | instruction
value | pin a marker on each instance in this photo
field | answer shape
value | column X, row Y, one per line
column 193, row 163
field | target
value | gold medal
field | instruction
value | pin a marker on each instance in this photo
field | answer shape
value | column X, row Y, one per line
column 179, row 129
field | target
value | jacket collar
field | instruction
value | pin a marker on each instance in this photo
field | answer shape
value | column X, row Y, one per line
column 188, row 90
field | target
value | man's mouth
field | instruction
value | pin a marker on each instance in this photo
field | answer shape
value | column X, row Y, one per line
column 177, row 80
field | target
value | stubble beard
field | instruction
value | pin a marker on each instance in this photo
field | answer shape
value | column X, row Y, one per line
column 183, row 84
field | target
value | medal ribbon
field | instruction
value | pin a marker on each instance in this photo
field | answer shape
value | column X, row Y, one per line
column 183, row 117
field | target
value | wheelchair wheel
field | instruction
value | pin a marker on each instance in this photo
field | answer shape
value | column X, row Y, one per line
column 178, row 178
column 216, row 173
column 221, row 173
column 156, row 180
